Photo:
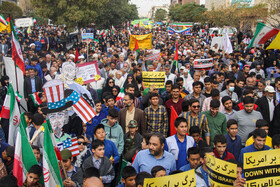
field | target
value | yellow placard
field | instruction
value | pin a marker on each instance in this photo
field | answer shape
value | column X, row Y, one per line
column 262, row 168
column 79, row 81
column 221, row 173
column 144, row 41
column 181, row 179
column 153, row 78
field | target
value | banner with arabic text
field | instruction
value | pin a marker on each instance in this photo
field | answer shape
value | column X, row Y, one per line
column 262, row 168
column 153, row 78
column 221, row 173
column 181, row 179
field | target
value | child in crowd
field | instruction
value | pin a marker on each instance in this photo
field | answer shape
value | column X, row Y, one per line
column 110, row 104
column 132, row 140
column 195, row 133
column 8, row 158
column 99, row 115
column 233, row 140
column 84, row 152
column 101, row 162
column 128, row 177
column 220, row 145
column 193, row 159
column 158, row 171
column 111, row 151
column 260, row 124
column 33, row 176
column 114, row 131
column 37, row 154
column 74, row 174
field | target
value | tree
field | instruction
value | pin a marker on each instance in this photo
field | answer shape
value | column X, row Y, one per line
column 72, row 13
column 115, row 12
column 273, row 12
column 10, row 9
column 188, row 12
column 236, row 15
column 160, row 15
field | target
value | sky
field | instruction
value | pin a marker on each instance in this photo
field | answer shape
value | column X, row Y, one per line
column 144, row 6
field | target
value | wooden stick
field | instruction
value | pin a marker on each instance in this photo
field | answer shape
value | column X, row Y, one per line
column 63, row 168
column 37, row 134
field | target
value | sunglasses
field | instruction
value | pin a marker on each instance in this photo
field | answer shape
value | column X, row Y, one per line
column 82, row 143
column 196, row 106
column 110, row 82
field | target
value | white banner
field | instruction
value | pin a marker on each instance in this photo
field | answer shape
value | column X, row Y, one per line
column 24, row 22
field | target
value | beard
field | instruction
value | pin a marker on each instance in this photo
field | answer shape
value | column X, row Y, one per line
column 155, row 152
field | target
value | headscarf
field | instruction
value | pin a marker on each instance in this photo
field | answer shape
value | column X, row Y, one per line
column 134, row 83
column 108, row 88
column 118, row 89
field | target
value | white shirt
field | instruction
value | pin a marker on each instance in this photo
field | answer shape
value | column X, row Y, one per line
column 98, row 84
column 119, row 82
column 171, row 77
column 271, row 108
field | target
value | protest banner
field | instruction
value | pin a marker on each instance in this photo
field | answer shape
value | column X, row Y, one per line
column 262, row 168
column 144, row 41
column 186, row 31
column 24, row 22
column 87, row 37
column 153, row 78
column 88, row 72
column 221, row 173
column 203, row 64
column 155, row 55
column 181, row 179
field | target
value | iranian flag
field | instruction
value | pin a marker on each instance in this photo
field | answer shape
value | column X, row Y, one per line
column 104, row 34
column 2, row 19
column 24, row 157
column 16, row 50
column 120, row 95
column 114, row 31
column 173, row 117
column 262, row 34
column 176, row 58
column 137, row 49
column 36, row 99
column 34, row 20
column 10, row 108
column 18, row 96
column 51, row 171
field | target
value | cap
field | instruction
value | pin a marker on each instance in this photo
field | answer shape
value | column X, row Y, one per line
column 269, row 89
column 31, row 45
column 71, row 55
column 182, row 67
column 132, row 124
column 81, row 57
column 65, row 154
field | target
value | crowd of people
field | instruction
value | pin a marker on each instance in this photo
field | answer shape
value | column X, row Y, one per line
column 226, row 111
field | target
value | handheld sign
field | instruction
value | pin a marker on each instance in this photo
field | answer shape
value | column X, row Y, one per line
column 153, row 78
column 88, row 72
column 262, row 168
column 221, row 173
column 87, row 37
column 181, row 179
column 203, row 64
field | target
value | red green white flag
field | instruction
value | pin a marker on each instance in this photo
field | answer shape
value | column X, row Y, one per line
column 16, row 50
column 51, row 171
column 2, row 19
column 120, row 95
column 36, row 99
column 262, row 34
column 24, row 157
column 176, row 58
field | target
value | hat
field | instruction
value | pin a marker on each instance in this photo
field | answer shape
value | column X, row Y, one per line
column 182, row 67
column 71, row 55
column 81, row 57
column 58, row 99
column 31, row 45
column 132, row 124
column 269, row 89
column 65, row 154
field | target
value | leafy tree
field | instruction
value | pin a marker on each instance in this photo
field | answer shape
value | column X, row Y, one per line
column 236, row 15
column 160, row 15
column 190, row 12
column 10, row 9
column 72, row 13
column 115, row 12
column 273, row 12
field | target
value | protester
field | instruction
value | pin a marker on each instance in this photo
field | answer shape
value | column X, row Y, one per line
column 220, row 151
column 193, row 159
column 158, row 171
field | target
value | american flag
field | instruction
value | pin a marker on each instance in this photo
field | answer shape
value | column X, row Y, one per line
column 71, row 144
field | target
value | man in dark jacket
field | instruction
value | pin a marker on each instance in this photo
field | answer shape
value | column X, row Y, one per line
column 32, row 84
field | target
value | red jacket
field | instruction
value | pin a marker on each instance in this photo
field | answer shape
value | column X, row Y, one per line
column 241, row 106
column 227, row 157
